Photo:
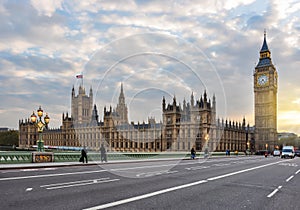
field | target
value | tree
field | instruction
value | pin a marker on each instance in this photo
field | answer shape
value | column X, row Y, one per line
column 290, row 141
column 9, row 138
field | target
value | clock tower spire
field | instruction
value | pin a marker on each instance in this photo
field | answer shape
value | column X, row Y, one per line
column 265, row 100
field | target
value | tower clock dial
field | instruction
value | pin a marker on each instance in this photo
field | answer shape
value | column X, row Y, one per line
column 262, row 79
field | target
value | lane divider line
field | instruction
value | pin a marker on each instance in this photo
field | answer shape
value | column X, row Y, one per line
column 116, row 203
column 274, row 192
column 75, row 182
column 148, row 195
column 289, row 178
column 49, row 175
column 82, row 184
column 242, row 171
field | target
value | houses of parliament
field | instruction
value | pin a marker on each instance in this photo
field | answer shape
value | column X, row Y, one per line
column 190, row 125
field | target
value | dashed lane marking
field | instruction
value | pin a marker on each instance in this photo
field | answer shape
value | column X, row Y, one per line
column 50, row 175
column 197, row 168
column 288, row 179
column 148, row 195
column 274, row 192
column 155, row 173
column 78, row 183
column 288, row 164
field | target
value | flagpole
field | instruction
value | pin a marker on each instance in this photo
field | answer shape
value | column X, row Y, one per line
column 80, row 76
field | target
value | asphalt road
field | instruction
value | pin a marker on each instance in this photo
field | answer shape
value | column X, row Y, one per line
column 219, row 183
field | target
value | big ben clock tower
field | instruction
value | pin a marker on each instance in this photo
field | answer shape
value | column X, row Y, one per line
column 265, row 100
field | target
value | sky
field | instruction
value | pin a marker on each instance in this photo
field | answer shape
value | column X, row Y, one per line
column 154, row 48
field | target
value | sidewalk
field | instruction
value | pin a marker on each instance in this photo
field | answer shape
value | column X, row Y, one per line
column 69, row 164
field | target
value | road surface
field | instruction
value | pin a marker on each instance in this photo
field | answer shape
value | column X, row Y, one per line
column 249, row 182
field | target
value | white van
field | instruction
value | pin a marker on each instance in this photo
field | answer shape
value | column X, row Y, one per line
column 288, row 151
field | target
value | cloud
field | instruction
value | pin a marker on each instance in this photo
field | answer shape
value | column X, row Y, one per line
column 47, row 8
column 187, row 46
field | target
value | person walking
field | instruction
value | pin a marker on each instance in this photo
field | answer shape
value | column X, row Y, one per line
column 193, row 153
column 84, row 155
column 103, row 153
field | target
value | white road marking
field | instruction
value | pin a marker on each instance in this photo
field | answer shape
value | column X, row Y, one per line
column 155, row 173
column 289, row 164
column 140, row 197
column 274, row 191
column 82, row 184
column 49, row 169
column 297, row 172
column 116, row 203
column 289, row 178
column 242, row 171
column 28, row 189
column 30, row 169
column 50, row 175
column 5, row 172
column 75, row 182
column 98, row 171
column 197, row 168
column 140, row 167
column 221, row 164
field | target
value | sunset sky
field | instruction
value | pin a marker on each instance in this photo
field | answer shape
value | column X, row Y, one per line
column 155, row 48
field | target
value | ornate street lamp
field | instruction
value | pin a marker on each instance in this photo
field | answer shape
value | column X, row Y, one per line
column 40, row 125
column 248, row 145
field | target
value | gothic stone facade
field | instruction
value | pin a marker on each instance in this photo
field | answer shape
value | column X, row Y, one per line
column 192, row 125
column 265, row 101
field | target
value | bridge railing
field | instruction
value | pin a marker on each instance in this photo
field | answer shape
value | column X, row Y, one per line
column 26, row 157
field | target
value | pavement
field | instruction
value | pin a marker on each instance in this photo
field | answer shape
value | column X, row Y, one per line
column 7, row 166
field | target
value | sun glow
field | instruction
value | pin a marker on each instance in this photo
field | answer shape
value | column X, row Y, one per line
column 288, row 120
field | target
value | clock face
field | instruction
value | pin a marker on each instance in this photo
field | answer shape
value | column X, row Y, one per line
column 262, row 79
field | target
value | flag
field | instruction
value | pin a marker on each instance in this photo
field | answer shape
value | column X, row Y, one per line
column 79, row 76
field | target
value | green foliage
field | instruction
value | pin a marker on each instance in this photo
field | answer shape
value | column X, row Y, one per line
column 9, row 138
column 290, row 141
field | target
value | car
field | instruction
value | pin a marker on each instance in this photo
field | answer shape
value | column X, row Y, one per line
column 261, row 152
column 297, row 153
column 288, row 151
column 276, row 153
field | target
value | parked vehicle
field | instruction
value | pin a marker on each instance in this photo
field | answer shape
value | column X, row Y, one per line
column 297, row 153
column 288, row 151
column 261, row 152
column 276, row 153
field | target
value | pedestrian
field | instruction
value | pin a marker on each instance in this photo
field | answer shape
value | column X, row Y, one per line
column 84, row 155
column 193, row 153
column 103, row 153
column 206, row 153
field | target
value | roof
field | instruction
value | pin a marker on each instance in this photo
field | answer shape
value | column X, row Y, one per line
column 264, row 47
column 264, row 62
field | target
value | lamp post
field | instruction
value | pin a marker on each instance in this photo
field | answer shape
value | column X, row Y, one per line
column 206, row 146
column 40, row 125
